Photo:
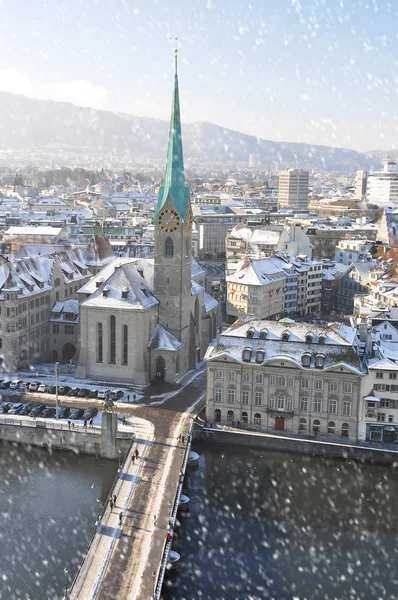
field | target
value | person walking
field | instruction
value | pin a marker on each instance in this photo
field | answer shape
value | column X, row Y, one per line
column 136, row 453
column 91, row 423
column 134, row 397
column 69, row 424
column 233, row 423
column 120, row 518
column 128, row 397
column 211, row 423
column 238, row 425
column 111, row 503
column 133, row 459
column 155, row 520
column 85, row 423
column 114, row 499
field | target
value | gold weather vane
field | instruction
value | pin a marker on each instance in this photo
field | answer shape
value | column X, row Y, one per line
column 176, row 39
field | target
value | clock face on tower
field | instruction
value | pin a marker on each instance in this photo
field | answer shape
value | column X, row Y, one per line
column 169, row 220
column 188, row 220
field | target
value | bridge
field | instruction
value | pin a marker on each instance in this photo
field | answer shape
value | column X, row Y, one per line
column 124, row 562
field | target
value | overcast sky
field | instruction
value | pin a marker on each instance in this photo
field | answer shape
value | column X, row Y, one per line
column 318, row 71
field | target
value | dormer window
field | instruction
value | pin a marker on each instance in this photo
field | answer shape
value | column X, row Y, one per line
column 285, row 336
column 99, row 282
column 306, row 359
column 321, row 338
column 125, row 293
column 319, row 361
column 105, row 292
column 247, row 354
column 260, row 355
column 250, row 332
column 309, row 337
column 263, row 334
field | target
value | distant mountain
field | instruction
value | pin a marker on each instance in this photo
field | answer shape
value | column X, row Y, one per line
column 381, row 154
column 41, row 126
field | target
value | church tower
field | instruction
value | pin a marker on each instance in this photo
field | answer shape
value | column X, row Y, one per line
column 173, row 224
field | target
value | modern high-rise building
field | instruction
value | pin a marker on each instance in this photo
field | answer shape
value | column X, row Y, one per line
column 382, row 186
column 293, row 189
column 360, row 185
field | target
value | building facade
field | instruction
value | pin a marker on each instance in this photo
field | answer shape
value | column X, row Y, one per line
column 298, row 378
column 293, row 189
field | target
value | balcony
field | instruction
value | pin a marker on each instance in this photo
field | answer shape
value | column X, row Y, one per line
column 279, row 411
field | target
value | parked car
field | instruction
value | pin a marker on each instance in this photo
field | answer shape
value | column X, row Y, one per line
column 5, row 407
column 64, row 390
column 102, row 394
column 5, row 385
column 90, row 413
column 77, row 413
column 74, row 392
column 48, row 412
column 116, row 394
column 37, row 410
column 51, row 389
column 27, row 408
column 23, row 386
column 83, row 393
column 16, row 408
column 33, row 387
column 14, row 385
column 63, row 412
column 92, row 394
column 42, row 388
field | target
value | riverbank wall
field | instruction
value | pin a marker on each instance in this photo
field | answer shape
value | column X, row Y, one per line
column 78, row 441
column 297, row 445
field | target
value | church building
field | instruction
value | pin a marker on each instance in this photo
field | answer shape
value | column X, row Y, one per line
column 147, row 319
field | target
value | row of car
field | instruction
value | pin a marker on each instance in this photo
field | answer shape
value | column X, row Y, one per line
column 41, row 410
column 63, row 390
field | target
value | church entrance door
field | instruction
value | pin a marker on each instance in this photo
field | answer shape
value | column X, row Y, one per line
column 160, row 367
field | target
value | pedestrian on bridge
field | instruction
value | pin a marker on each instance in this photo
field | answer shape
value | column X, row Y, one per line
column 111, row 503
column 133, row 458
column 114, row 499
column 120, row 518
column 136, row 453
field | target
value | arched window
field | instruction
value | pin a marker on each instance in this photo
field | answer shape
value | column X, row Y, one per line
column 230, row 415
column 257, row 419
column 99, row 343
column 316, row 426
column 306, row 359
column 319, row 361
column 260, row 355
column 331, row 427
column 321, row 338
column 263, row 334
column 169, row 248
column 217, row 415
column 112, row 339
column 285, row 335
column 125, row 347
column 308, row 337
column 281, row 381
column 22, row 356
column 303, row 425
column 345, row 430
column 245, row 418
column 250, row 332
column 247, row 354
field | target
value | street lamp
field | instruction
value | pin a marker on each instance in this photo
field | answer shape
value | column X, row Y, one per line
column 66, row 582
column 170, row 510
column 98, row 502
column 56, row 388
column 154, row 586
column 120, row 456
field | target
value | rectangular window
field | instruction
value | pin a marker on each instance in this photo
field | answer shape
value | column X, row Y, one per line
column 231, row 395
column 346, row 408
column 290, row 404
column 218, row 395
column 272, row 379
column 218, row 374
column 245, row 377
column 281, row 381
column 304, row 403
column 290, row 382
column 259, row 378
column 55, row 328
column 258, row 400
column 333, row 407
column 272, row 401
column 305, row 383
column 69, row 329
column 231, row 375
column 317, row 405
column 347, row 387
column 391, row 418
column 318, row 384
column 381, row 416
column 245, row 396
column 281, row 402
column 393, row 375
column 333, row 386
column 379, row 375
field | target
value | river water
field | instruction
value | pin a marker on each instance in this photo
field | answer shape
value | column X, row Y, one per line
column 47, row 516
column 274, row 525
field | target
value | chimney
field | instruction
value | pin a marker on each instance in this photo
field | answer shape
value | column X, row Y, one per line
column 363, row 330
column 105, row 292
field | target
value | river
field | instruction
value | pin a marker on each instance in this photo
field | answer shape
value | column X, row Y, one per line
column 48, row 513
column 275, row 525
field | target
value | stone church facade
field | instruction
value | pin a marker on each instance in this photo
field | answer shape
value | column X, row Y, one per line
column 147, row 319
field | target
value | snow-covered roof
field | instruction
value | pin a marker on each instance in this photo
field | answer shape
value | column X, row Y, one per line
column 32, row 230
column 267, row 335
column 210, row 302
column 383, row 364
column 68, row 307
column 195, row 288
column 162, row 339
column 197, row 270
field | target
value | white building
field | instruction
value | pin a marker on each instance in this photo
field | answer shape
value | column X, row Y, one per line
column 293, row 189
column 298, row 378
column 382, row 186
column 352, row 251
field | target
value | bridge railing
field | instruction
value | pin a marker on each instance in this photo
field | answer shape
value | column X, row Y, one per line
column 52, row 424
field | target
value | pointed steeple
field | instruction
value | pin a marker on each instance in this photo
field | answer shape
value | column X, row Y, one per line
column 174, row 180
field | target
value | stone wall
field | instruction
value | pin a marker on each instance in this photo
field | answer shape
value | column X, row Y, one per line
column 60, row 439
column 297, row 445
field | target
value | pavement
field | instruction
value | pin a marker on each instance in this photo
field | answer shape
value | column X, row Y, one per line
column 122, row 559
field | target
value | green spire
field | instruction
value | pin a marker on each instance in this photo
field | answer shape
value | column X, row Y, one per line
column 174, row 179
